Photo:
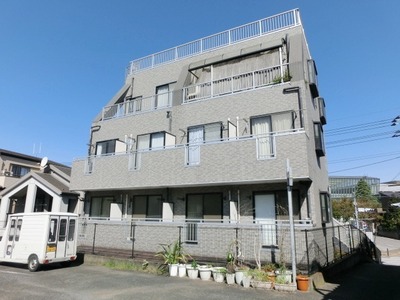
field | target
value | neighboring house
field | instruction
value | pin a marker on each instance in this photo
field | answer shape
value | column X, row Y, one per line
column 345, row 186
column 388, row 191
column 201, row 134
column 40, row 186
column 14, row 165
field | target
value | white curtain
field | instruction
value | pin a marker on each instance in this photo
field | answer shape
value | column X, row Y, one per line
column 261, row 127
column 282, row 122
column 196, row 136
column 162, row 96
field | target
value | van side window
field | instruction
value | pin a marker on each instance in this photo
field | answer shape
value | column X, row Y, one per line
column 53, row 230
column 63, row 230
column 19, row 225
column 12, row 230
column 71, row 230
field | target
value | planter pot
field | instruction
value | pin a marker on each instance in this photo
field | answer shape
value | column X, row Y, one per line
column 261, row 284
column 205, row 273
column 239, row 277
column 230, row 278
column 287, row 276
column 291, row 287
column 192, row 272
column 246, row 281
column 219, row 274
column 182, row 270
column 173, row 270
column 302, row 283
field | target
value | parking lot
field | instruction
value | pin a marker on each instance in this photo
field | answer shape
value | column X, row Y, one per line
column 97, row 282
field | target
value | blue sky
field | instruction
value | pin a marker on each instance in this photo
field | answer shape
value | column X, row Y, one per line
column 62, row 61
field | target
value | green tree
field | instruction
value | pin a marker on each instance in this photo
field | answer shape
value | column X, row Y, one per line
column 365, row 199
column 343, row 208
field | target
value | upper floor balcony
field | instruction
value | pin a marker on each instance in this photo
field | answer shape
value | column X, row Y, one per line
column 229, row 37
column 206, row 89
column 245, row 159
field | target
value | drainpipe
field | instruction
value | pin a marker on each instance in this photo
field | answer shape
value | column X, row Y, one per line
column 92, row 129
column 296, row 89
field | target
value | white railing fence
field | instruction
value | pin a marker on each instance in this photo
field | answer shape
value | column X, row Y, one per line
column 265, row 26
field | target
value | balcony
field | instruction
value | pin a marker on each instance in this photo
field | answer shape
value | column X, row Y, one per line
column 229, row 37
column 215, row 88
column 237, row 83
column 234, row 160
column 137, row 105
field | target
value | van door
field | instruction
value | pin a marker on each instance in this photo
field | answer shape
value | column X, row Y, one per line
column 62, row 237
column 13, row 236
column 52, row 239
column 71, row 242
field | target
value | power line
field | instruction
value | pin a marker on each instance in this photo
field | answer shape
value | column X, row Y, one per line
column 367, row 165
column 354, row 158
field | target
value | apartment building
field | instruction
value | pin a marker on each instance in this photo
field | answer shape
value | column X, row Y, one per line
column 202, row 134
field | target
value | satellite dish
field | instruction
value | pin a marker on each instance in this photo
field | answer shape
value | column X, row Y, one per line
column 44, row 162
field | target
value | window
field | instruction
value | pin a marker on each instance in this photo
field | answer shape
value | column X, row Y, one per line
column 322, row 113
column 71, row 230
column 204, row 207
column 205, row 133
column 19, row 226
column 19, row 171
column 282, row 205
column 53, row 231
column 156, row 140
column 12, row 230
column 100, row 206
column 105, row 147
column 63, row 230
column 325, row 208
column 162, row 96
column 198, row 135
column 319, row 140
column 149, row 207
column 261, row 127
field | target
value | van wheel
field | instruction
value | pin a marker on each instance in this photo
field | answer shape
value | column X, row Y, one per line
column 33, row 263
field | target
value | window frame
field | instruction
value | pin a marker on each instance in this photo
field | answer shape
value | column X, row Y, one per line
column 108, row 144
column 204, row 127
column 326, row 210
column 203, row 199
column 319, row 139
column 147, row 206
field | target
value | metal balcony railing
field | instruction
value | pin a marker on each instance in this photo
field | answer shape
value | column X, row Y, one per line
column 232, row 36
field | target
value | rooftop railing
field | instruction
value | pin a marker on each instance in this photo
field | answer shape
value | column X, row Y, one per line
column 232, row 36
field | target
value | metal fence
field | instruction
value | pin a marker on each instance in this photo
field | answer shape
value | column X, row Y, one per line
column 209, row 241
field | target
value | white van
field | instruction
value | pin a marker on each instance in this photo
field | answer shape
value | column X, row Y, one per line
column 40, row 238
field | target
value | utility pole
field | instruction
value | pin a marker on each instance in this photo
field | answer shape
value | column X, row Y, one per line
column 290, row 206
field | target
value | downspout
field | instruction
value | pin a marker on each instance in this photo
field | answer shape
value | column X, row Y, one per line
column 296, row 89
column 92, row 129
column 238, row 208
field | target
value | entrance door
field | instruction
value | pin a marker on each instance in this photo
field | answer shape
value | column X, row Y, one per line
column 265, row 215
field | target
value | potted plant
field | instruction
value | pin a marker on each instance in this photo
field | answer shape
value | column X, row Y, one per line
column 205, row 272
column 283, row 274
column 219, row 274
column 302, row 282
column 192, row 270
column 171, row 254
column 270, row 269
column 281, row 284
column 246, row 278
column 260, row 279
column 230, row 273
